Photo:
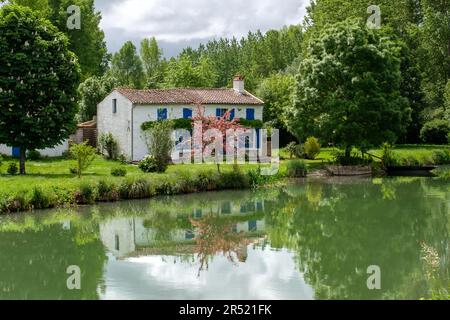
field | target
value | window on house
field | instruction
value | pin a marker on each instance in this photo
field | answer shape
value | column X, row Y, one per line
column 114, row 106
column 250, row 114
column 226, row 208
column 187, row 113
column 117, row 242
column 220, row 112
column 162, row 114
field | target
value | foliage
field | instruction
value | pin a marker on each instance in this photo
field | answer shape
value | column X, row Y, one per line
column 176, row 124
column 107, row 191
column 33, row 155
column 118, row 172
column 354, row 159
column 311, row 148
column 277, row 93
column 84, row 156
column 12, row 168
column 85, row 194
column 441, row 157
column 40, row 199
column 91, row 92
column 257, row 124
column 435, row 131
column 348, row 88
column 183, row 72
column 296, row 169
column 235, row 179
column 159, row 143
column 387, row 158
column 291, row 148
column 88, row 42
column 149, row 164
column 109, row 144
column 153, row 64
column 36, row 55
column 127, row 67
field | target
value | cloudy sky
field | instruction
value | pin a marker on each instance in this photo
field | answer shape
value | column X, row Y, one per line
column 180, row 23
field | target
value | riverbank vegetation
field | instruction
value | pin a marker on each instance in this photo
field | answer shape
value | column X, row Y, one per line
column 52, row 183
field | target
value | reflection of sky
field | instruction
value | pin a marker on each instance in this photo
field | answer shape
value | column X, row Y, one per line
column 265, row 275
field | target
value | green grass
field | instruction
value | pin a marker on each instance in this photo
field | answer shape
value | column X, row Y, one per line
column 48, row 173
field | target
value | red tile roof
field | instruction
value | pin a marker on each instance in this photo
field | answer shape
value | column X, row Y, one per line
column 189, row 96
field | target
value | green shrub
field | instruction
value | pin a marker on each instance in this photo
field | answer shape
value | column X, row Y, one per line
column 12, row 168
column 67, row 155
column 388, row 158
column 15, row 203
column 441, row 157
column 109, row 145
column 107, row 191
column 1, row 160
column 448, row 138
column 233, row 180
column 84, row 155
column 40, row 199
column 291, row 148
column 149, row 165
column 312, row 148
column 118, row 172
column 159, row 143
column 256, row 179
column 296, row 169
column 206, row 181
column 85, row 194
column 166, row 188
column 33, row 155
column 135, row 189
column 185, row 183
column 73, row 170
column 435, row 132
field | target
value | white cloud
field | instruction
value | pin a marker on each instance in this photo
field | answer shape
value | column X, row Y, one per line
column 192, row 20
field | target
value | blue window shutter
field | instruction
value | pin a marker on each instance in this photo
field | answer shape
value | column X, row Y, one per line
column 250, row 114
column 16, row 152
column 258, row 138
column 218, row 112
column 232, row 114
column 162, row 114
column 187, row 113
column 252, row 225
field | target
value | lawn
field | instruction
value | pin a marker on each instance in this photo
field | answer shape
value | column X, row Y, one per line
column 53, row 174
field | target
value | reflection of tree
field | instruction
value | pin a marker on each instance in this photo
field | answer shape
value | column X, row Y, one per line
column 354, row 226
column 33, row 264
column 215, row 235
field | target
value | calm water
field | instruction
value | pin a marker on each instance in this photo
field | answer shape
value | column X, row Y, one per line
column 312, row 240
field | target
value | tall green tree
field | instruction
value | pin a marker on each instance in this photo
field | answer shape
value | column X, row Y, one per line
column 348, row 88
column 127, row 67
column 88, row 42
column 91, row 92
column 435, row 49
column 277, row 93
column 38, row 80
column 183, row 72
column 151, row 56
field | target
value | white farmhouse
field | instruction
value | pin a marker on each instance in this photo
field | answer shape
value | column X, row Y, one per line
column 123, row 111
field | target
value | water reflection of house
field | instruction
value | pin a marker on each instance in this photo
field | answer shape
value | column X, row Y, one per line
column 125, row 236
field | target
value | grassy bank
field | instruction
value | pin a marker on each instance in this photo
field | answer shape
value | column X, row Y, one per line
column 49, row 182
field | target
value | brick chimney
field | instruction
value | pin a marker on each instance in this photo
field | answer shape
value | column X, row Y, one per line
column 238, row 83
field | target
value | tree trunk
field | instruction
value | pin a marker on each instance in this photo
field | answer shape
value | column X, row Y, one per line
column 22, row 160
column 348, row 152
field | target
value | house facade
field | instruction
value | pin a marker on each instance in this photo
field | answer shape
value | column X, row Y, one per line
column 123, row 111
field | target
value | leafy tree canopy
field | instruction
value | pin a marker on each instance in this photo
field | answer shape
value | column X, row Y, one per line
column 348, row 88
column 38, row 81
